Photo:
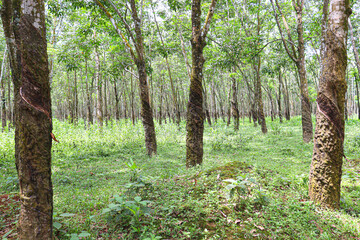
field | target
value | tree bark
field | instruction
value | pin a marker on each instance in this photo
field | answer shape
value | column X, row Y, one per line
column 146, row 111
column 195, row 114
column 234, row 105
column 34, row 126
column 326, row 166
column 306, row 122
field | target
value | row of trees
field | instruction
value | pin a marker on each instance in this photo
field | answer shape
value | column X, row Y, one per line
column 87, row 57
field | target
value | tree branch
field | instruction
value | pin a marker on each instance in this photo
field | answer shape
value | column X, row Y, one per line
column 126, row 42
column 281, row 33
column 210, row 14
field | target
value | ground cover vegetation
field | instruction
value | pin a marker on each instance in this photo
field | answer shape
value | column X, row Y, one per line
column 251, row 186
column 179, row 119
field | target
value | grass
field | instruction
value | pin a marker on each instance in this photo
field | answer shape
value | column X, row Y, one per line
column 105, row 187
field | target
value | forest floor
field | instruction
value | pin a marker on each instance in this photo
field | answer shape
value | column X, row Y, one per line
column 250, row 186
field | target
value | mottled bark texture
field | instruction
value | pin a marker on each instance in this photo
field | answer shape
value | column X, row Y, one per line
column 195, row 114
column 146, row 110
column 33, row 119
column 326, row 166
column 234, row 105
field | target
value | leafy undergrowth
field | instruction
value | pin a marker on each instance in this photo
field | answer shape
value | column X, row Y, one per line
column 250, row 186
column 9, row 211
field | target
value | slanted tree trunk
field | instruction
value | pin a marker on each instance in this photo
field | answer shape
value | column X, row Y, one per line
column 33, row 123
column 298, row 57
column 195, row 115
column 146, row 111
column 326, row 166
column 234, row 105
column 306, row 121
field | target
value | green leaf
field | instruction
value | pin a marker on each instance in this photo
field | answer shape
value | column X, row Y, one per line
column 230, row 180
column 57, row 225
column 67, row 215
column 106, row 210
column 84, row 234
column 74, row 236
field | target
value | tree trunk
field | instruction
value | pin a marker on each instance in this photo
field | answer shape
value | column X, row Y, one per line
column 195, row 114
column 234, row 105
column 76, row 99
column 117, row 113
column 286, row 100
column 146, row 111
column 3, row 105
column 34, row 126
column 258, row 97
column 307, row 126
column 99, row 102
column 207, row 113
column 358, row 100
column 2, row 92
column 279, row 98
column 214, row 101
column 105, row 101
column 132, row 100
column 326, row 166
column 88, row 96
column 229, row 107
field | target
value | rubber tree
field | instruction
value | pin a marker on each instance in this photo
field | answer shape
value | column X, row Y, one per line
column 297, row 55
column 326, row 166
column 24, row 27
column 195, row 113
column 138, row 57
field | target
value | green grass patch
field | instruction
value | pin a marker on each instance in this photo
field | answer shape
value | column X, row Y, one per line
column 251, row 186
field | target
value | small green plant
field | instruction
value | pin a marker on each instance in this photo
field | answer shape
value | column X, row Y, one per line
column 246, row 188
column 134, row 170
column 129, row 213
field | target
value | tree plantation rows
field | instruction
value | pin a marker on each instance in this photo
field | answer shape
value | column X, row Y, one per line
column 193, row 64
